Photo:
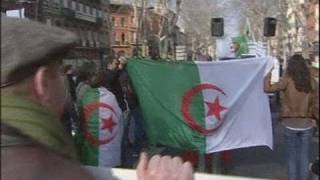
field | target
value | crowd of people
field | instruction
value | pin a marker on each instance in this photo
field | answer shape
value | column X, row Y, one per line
column 34, row 139
column 115, row 80
column 47, row 122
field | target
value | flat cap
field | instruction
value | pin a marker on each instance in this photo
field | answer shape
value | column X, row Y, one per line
column 26, row 44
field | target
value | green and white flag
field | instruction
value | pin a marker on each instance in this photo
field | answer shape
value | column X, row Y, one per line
column 99, row 139
column 203, row 106
column 242, row 42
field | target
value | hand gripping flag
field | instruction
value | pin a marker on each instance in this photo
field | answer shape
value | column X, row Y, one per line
column 203, row 106
column 99, row 138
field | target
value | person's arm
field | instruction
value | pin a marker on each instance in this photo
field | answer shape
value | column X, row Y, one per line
column 278, row 86
column 163, row 168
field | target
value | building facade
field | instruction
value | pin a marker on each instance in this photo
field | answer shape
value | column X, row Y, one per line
column 127, row 39
column 124, row 29
column 85, row 18
column 313, row 28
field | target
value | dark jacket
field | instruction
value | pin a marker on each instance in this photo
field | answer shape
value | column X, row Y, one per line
column 112, row 83
column 127, row 89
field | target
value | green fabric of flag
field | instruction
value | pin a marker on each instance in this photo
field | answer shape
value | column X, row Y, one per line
column 242, row 41
column 161, row 112
column 89, row 154
column 99, row 138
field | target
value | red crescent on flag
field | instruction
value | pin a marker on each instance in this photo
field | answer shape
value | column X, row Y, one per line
column 186, row 102
column 88, row 109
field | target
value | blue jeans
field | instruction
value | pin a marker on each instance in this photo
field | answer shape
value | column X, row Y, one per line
column 298, row 151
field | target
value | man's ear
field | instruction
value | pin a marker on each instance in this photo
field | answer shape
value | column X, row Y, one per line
column 41, row 83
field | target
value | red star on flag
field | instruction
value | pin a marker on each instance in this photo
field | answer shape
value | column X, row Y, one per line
column 215, row 108
column 108, row 124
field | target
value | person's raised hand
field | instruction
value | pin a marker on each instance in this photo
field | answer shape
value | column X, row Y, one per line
column 163, row 168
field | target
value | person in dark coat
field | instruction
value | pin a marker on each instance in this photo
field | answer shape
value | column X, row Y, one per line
column 135, row 115
column 113, row 84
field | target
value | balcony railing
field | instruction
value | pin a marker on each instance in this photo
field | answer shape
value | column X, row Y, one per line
column 85, row 17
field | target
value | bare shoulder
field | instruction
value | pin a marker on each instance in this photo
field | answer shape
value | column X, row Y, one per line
column 32, row 162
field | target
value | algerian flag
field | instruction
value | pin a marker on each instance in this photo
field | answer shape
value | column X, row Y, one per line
column 242, row 41
column 203, row 106
column 99, row 138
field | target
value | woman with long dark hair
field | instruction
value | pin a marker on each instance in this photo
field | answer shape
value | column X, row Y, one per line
column 298, row 98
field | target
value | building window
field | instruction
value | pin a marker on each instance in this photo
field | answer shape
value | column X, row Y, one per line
column 77, row 6
column 116, row 36
column 84, row 9
column 73, row 5
column 65, row 3
column 69, row 4
column 91, row 10
column 80, row 7
column 123, row 38
column 87, row 9
column 113, row 37
column 99, row 13
column 135, row 36
column 113, row 21
column 132, row 37
column 123, row 22
column 94, row 12
column 96, row 36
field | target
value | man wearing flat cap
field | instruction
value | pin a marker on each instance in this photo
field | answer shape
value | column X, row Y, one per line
column 34, row 144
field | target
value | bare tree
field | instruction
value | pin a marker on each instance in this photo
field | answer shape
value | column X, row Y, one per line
column 138, row 6
column 167, row 27
column 164, row 22
column 300, row 12
column 172, row 27
column 196, row 21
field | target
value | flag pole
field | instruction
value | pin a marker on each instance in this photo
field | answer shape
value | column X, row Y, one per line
column 250, row 30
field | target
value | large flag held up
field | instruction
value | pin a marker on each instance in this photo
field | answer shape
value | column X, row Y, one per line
column 203, row 106
column 99, row 139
